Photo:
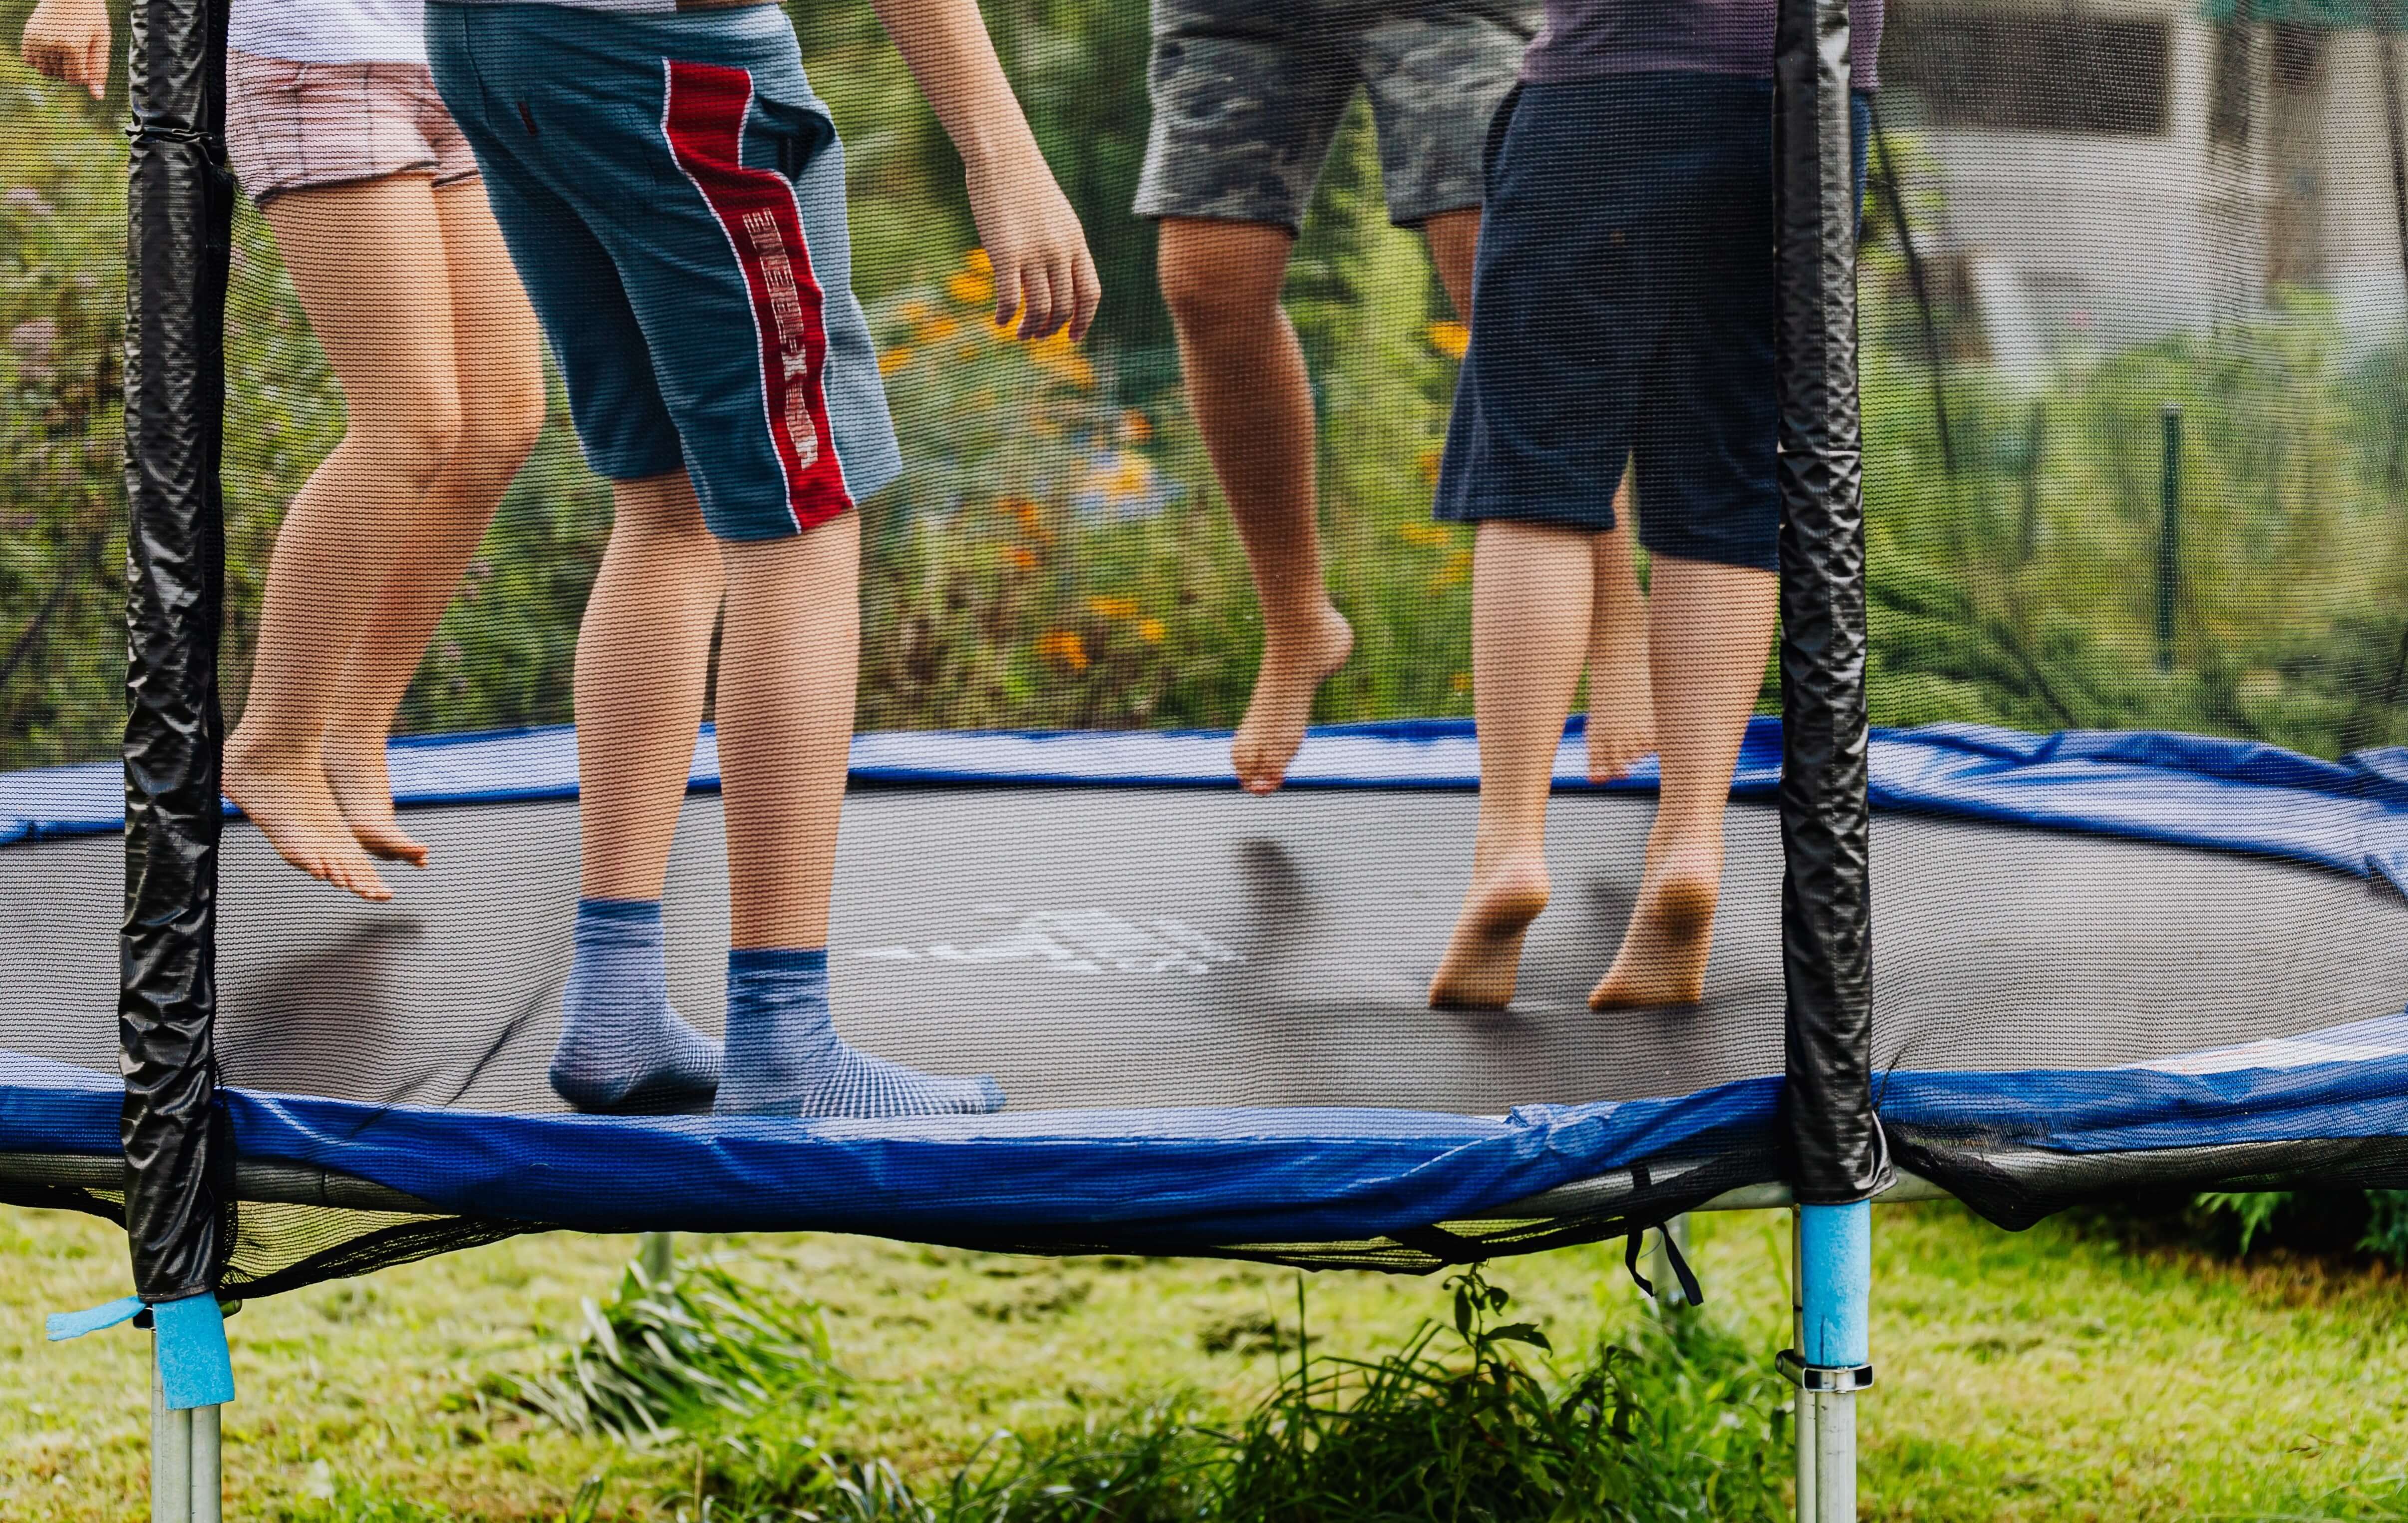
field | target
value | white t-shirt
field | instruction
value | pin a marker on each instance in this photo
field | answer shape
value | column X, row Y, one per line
column 330, row 31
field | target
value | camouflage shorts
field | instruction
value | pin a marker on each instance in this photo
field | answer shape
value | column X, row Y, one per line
column 1247, row 94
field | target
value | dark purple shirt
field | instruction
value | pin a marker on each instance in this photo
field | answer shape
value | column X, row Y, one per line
column 1588, row 39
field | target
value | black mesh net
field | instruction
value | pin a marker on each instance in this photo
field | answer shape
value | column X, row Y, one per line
column 2133, row 285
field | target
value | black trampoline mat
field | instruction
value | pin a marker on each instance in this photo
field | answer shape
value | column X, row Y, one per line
column 1133, row 947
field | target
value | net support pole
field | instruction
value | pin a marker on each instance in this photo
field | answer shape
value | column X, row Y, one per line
column 178, row 1153
column 180, row 220
column 1837, row 1160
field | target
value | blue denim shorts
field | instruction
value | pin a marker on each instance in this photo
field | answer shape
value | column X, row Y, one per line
column 1625, row 296
column 672, row 194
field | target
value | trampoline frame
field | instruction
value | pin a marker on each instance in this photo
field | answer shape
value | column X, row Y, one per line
column 180, row 1178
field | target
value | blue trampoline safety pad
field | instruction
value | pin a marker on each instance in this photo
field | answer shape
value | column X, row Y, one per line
column 2350, row 815
column 1190, row 1179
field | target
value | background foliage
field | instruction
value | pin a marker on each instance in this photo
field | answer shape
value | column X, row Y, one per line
column 1059, row 556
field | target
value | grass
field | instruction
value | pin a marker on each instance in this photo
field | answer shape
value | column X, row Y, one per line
column 2051, row 1376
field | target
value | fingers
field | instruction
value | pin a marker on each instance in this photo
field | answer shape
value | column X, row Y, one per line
column 1037, row 285
column 1088, row 287
column 95, row 65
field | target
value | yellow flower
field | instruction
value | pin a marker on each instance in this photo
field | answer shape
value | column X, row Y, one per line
column 934, row 329
column 893, row 360
column 977, row 262
column 1063, row 648
column 1132, row 477
column 1020, row 557
column 1449, row 339
column 915, row 311
column 1112, row 608
column 1428, row 536
column 1428, row 467
column 1456, row 571
column 1150, row 631
column 971, row 288
column 1462, row 683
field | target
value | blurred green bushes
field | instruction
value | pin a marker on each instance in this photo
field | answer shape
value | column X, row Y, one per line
column 1059, row 556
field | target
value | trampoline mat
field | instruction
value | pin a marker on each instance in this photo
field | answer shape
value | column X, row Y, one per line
column 1134, row 947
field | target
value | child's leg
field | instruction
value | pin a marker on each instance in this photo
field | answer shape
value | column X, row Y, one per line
column 788, row 664
column 1621, row 703
column 1711, row 627
column 643, row 657
column 500, row 381
column 1253, row 402
column 367, row 261
column 1531, row 608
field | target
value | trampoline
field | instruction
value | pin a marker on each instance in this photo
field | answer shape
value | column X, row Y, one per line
column 1210, row 1009
column 2068, row 851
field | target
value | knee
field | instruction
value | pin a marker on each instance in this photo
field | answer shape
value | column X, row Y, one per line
column 499, row 432
column 417, row 429
column 1208, row 294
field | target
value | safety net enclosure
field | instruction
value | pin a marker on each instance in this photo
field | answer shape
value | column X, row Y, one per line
column 2132, row 323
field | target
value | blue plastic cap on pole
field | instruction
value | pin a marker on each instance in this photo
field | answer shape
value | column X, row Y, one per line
column 1836, row 1254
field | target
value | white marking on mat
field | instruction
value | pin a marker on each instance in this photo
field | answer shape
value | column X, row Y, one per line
column 1077, row 942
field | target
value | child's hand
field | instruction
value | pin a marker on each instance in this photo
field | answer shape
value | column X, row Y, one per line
column 68, row 39
column 1044, row 274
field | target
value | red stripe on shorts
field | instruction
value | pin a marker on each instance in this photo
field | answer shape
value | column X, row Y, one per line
column 704, row 118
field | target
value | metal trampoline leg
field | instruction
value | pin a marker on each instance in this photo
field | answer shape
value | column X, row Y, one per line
column 656, row 1254
column 1802, row 1421
column 171, row 1457
column 186, row 1479
column 208, row 1472
column 1832, row 1246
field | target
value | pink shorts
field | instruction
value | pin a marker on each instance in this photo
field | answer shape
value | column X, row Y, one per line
column 297, row 126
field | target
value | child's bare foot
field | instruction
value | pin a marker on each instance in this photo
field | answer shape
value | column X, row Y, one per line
column 355, row 775
column 1663, row 956
column 1621, row 716
column 287, row 798
column 1483, row 956
column 1282, row 706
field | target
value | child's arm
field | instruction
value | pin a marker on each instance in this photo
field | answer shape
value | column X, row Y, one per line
column 68, row 39
column 1043, row 273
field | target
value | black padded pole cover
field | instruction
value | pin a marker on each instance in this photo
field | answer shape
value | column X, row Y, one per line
column 1836, row 1154
column 180, row 214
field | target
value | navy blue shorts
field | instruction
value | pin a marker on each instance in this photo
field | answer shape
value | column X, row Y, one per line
column 1625, row 304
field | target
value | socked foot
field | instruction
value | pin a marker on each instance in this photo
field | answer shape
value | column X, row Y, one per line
column 1664, row 953
column 287, row 798
column 1483, row 956
column 1282, row 707
column 355, row 775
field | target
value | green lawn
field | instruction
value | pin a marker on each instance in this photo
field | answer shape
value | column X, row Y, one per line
column 2048, row 1375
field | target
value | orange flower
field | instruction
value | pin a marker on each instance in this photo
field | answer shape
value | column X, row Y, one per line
column 893, row 360
column 1020, row 557
column 1135, row 426
column 1449, row 339
column 1150, row 631
column 971, row 288
column 1112, row 608
column 1063, row 648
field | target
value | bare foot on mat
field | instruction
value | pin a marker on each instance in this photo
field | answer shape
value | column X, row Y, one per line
column 1282, row 707
column 1664, row 953
column 355, row 774
column 289, row 800
column 1483, row 956
column 1621, row 718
